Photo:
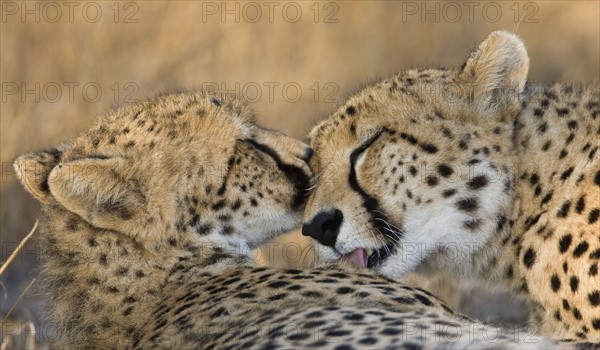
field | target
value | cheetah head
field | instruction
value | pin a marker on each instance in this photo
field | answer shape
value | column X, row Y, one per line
column 418, row 167
column 187, row 167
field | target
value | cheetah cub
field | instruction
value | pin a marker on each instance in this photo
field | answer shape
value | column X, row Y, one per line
column 148, row 221
column 180, row 178
column 471, row 170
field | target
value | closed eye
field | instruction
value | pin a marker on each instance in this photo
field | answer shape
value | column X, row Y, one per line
column 369, row 202
column 264, row 149
column 294, row 174
column 379, row 219
column 362, row 148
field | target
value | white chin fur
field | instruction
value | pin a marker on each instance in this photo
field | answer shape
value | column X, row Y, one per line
column 394, row 268
column 325, row 254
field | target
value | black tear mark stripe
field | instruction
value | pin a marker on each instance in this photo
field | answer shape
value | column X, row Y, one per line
column 378, row 217
column 296, row 176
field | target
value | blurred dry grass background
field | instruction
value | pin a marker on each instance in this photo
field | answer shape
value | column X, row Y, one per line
column 310, row 64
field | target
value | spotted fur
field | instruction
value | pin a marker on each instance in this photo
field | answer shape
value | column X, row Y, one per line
column 328, row 307
column 149, row 219
column 151, row 185
column 470, row 170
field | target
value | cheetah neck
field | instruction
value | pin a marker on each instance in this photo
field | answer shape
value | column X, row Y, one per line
column 503, row 261
column 491, row 263
column 103, row 286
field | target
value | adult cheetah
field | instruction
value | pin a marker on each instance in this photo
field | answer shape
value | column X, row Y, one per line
column 471, row 170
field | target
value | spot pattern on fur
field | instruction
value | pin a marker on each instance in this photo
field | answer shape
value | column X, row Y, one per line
column 180, row 182
column 533, row 160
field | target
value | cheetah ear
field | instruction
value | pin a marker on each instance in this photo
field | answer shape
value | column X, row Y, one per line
column 99, row 189
column 495, row 74
column 32, row 170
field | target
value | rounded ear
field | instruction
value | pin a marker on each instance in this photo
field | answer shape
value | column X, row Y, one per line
column 100, row 190
column 32, row 170
column 495, row 74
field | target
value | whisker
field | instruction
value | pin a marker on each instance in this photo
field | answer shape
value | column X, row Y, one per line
column 384, row 246
column 380, row 212
column 392, row 238
column 379, row 241
column 391, row 227
column 375, row 238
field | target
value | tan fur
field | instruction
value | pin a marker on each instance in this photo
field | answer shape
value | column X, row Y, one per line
column 149, row 219
column 473, row 171
column 150, row 184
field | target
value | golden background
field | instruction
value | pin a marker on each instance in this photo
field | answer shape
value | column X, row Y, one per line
column 296, row 61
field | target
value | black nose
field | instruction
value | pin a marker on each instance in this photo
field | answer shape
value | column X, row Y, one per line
column 308, row 152
column 324, row 227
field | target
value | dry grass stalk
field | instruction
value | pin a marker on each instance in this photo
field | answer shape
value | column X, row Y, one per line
column 19, row 247
column 18, row 299
column 7, row 341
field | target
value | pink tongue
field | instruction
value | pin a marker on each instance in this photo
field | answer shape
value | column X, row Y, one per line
column 357, row 257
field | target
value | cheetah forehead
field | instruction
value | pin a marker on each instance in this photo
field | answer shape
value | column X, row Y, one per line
column 165, row 109
column 415, row 93
column 210, row 117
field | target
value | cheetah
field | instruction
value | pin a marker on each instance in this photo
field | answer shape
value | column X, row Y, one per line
column 149, row 219
column 473, row 171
